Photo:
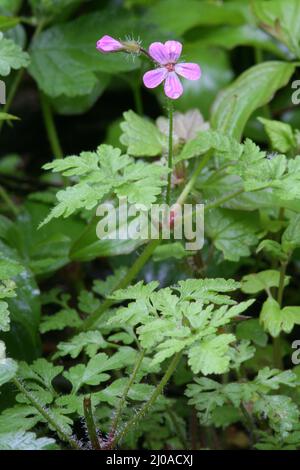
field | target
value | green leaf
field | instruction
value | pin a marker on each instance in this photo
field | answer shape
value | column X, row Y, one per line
column 105, row 288
column 8, row 22
column 264, row 280
column 8, row 369
column 89, row 342
column 64, row 59
column 96, row 370
column 53, row 8
column 171, row 250
column 281, row 135
column 253, row 89
column 229, row 37
column 141, row 137
column 232, row 232
column 211, row 355
column 41, row 371
column 253, row 331
column 282, row 413
column 60, row 320
column 22, row 340
column 281, row 20
column 273, row 248
column 276, row 320
column 102, row 172
column 21, row 440
column 291, row 236
column 165, row 14
column 8, row 117
column 208, row 290
column 225, row 147
column 9, row 268
column 11, row 56
column 10, row 6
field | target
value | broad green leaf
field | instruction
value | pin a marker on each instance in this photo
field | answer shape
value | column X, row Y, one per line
column 232, row 232
column 141, row 137
column 229, row 37
column 65, row 60
column 10, row 6
column 165, row 14
column 264, row 280
column 253, row 89
column 21, row 440
column 53, row 8
column 281, row 19
column 77, row 105
column 11, row 56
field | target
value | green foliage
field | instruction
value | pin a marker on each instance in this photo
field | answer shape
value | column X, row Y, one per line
column 11, row 56
column 172, row 323
column 101, row 173
column 24, row 441
column 208, row 396
column 212, row 330
column 140, row 136
column 235, row 106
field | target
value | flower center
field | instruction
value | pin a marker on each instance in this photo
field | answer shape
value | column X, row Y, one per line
column 170, row 67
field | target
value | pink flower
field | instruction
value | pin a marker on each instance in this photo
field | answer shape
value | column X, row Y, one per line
column 109, row 44
column 167, row 55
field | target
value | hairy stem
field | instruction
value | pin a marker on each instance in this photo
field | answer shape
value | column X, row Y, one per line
column 170, row 152
column 277, row 350
column 90, row 423
column 191, row 183
column 50, row 127
column 144, row 410
column 124, row 397
column 61, row 433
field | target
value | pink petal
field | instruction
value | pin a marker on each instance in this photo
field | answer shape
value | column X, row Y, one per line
column 188, row 70
column 173, row 87
column 159, row 53
column 153, row 78
column 173, row 49
column 109, row 44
